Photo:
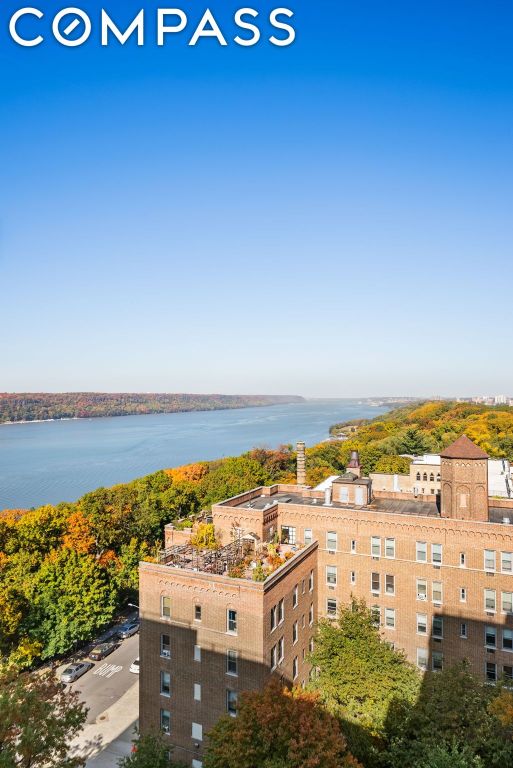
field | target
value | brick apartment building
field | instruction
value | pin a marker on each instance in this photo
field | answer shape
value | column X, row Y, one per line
column 437, row 570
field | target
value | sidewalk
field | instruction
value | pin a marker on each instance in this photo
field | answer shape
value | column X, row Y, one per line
column 110, row 738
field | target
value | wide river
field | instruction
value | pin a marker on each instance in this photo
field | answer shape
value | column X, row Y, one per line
column 56, row 461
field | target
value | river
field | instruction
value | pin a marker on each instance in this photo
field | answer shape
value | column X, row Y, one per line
column 48, row 462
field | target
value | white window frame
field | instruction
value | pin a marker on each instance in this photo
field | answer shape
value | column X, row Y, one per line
column 390, row 548
column 492, row 631
column 331, row 541
column 328, row 601
column 197, row 692
column 197, row 653
column 231, row 622
column 165, row 653
column 165, row 714
column 231, row 657
column 388, row 591
column 507, row 559
column 422, row 590
column 436, row 554
column 508, row 601
column 197, row 732
column 375, row 590
column 423, row 654
column 165, row 676
column 421, row 620
column 376, row 546
column 437, row 601
column 390, row 617
column 307, row 536
column 421, row 549
column 463, row 594
column 490, row 595
column 331, row 575
column 490, row 560
column 163, row 607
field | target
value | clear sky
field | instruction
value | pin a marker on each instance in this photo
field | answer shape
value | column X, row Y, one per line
column 333, row 218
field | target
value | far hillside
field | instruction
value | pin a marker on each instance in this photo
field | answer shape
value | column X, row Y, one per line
column 42, row 406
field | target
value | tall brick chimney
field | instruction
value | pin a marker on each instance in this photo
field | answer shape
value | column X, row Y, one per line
column 301, row 463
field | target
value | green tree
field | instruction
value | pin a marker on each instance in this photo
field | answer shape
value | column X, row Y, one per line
column 71, row 599
column 455, row 711
column 397, row 465
column 413, row 442
column 149, row 751
column 360, row 676
column 278, row 728
column 38, row 719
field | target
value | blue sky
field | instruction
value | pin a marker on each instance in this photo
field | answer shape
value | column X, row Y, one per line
column 329, row 219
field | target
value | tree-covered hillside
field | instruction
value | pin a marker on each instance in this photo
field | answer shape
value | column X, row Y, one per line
column 70, row 405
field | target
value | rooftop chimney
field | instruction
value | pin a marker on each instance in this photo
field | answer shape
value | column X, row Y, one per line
column 301, row 463
column 354, row 464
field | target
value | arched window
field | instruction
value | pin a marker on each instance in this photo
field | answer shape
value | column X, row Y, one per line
column 418, row 475
column 424, row 476
column 432, row 477
column 438, row 478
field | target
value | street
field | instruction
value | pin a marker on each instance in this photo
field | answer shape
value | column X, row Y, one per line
column 109, row 679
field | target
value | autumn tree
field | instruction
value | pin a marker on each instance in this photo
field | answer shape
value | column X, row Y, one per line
column 278, row 728
column 359, row 677
column 38, row 718
column 397, row 465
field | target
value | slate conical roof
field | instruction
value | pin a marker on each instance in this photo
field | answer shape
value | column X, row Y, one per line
column 463, row 448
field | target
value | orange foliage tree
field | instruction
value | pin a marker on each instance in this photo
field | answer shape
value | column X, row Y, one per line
column 278, row 727
column 79, row 535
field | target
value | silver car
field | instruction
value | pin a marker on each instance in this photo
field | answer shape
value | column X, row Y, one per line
column 128, row 629
column 72, row 673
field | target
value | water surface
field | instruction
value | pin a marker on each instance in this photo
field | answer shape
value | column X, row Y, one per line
column 54, row 461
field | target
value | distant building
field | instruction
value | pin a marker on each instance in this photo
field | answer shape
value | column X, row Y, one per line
column 435, row 568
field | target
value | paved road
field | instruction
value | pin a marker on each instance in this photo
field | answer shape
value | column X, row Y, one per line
column 109, row 679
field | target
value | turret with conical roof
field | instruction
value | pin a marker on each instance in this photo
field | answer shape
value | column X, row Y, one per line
column 464, row 470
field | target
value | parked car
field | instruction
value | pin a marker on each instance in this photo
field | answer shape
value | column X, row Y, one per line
column 128, row 629
column 100, row 651
column 74, row 671
column 134, row 666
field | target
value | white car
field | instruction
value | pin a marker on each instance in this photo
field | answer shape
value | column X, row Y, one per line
column 134, row 666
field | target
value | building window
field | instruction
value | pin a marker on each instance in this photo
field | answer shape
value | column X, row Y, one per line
column 438, row 626
column 308, row 536
column 231, row 621
column 165, row 647
column 165, row 683
column 390, row 548
column 165, row 607
column 281, row 611
column 424, row 476
column 311, row 645
column 390, row 618
column 274, row 617
column 489, row 560
column 375, row 546
column 353, row 546
column 490, row 637
column 507, row 639
column 331, row 541
column 331, row 607
column 197, row 692
column 421, row 623
column 231, row 662
column 418, row 475
column 295, row 596
column 376, row 615
column 507, row 671
column 303, row 590
column 196, row 763
column 421, row 589
column 197, row 732
column 197, row 613
column 421, row 551
column 390, row 584
column 288, row 534
column 281, row 650
column 197, row 653
column 295, row 633
column 231, row 702
column 311, row 581
column 352, row 577
column 507, row 602
column 491, row 671
column 463, row 630
column 331, row 574
column 422, row 658
column 490, row 600
column 274, row 657
column 436, row 591
column 295, row 668
column 311, row 615
column 463, row 560
column 303, row 621
column 506, row 562
column 436, row 554
column 463, row 595
column 437, row 661
column 165, row 720
column 375, row 583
